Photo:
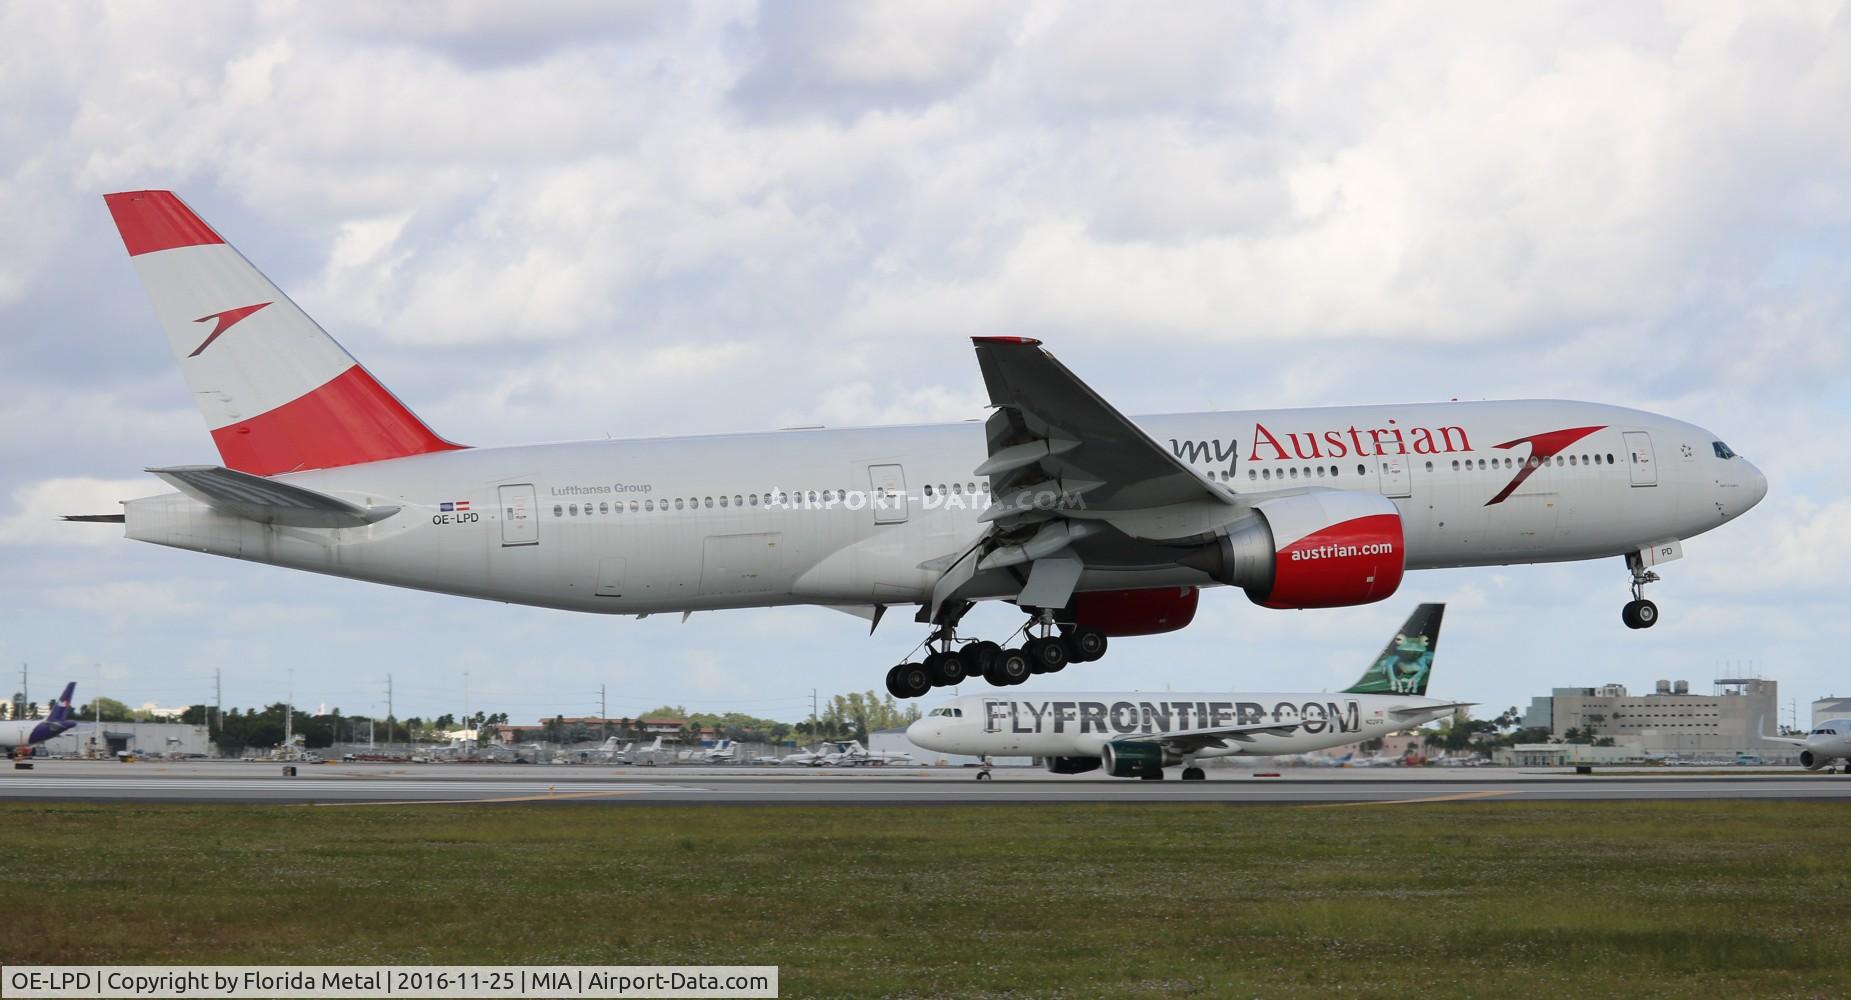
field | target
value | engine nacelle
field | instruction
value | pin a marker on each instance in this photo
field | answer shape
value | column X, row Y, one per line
column 1323, row 549
column 1072, row 765
column 1130, row 759
column 1812, row 761
column 1136, row 612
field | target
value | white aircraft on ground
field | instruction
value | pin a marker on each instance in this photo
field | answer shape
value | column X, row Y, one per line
column 1138, row 734
column 1829, row 741
column 655, row 753
column 722, row 752
column 1096, row 524
column 17, row 738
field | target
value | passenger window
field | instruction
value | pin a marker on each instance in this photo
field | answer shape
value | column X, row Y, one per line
column 1609, row 458
column 558, row 511
column 633, row 506
column 572, row 509
column 1294, row 473
column 1253, row 473
column 1361, row 469
column 1320, row 472
column 1455, row 465
column 1429, row 466
column 928, row 489
column 604, row 508
column 678, row 503
column 738, row 501
column 1268, row 474
column 722, row 499
column 957, row 489
column 650, row 505
column 707, row 502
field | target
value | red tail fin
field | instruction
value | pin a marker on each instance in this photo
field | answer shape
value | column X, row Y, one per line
column 277, row 392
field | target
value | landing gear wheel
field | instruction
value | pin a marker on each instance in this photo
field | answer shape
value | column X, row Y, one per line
column 978, row 656
column 1085, row 643
column 1646, row 614
column 984, row 776
column 1011, row 667
column 1047, row 654
column 910, row 680
column 1194, row 774
column 945, row 669
column 893, row 682
column 1639, row 614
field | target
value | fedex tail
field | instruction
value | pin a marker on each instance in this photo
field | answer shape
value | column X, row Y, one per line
column 19, row 736
column 277, row 392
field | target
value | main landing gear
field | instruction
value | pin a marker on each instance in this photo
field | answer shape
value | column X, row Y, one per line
column 950, row 660
column 1639, row 612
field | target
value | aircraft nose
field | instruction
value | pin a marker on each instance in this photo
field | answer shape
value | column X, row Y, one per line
column 923, row 733
column 1755, row 483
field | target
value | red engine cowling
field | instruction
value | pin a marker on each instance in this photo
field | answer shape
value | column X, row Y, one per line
column 1136, row 612
column 1331, row 549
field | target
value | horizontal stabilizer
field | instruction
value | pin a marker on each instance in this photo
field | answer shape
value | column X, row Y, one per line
column 268, row 501
column 96, row 518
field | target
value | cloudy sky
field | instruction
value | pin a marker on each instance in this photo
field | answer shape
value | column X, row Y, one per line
column 543, row 222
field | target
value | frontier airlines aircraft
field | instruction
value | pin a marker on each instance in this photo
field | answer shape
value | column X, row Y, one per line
column 1094, row 523
column 1138, row 734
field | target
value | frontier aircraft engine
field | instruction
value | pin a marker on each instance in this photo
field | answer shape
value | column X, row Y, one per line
column 1322, row 549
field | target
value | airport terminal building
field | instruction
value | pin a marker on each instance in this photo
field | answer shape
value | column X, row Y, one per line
column 1670, row 721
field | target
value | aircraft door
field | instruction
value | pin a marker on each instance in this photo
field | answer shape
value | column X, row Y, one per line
column 520, row 521
column 1639, row 449
column 1397, row 481
column 887, row 493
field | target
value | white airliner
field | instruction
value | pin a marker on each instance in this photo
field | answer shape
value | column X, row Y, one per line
column 1829, row 741
column 1096, row 524
column 1138, row 734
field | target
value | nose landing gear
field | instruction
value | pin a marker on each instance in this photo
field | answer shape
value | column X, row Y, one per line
column 1639, row 612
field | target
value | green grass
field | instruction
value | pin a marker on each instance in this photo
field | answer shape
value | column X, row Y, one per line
column 1468, row 899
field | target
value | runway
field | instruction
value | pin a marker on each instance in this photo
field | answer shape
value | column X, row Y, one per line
column 233, row 782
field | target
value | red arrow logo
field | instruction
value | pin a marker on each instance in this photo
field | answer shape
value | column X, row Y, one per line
column 1543, row 447
column 225, row 321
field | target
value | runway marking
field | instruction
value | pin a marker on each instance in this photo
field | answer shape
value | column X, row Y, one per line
column 1456, row 797
column 548, row 797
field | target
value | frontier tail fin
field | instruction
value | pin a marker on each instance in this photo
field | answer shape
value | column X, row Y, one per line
column 1404, row 663
column 277, row 392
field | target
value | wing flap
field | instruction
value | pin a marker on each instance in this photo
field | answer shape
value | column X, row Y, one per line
column 268, row 501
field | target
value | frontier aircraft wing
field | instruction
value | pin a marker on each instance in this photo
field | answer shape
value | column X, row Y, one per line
column 1192, row 740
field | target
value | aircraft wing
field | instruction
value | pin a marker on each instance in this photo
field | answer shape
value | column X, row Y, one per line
column 1064, row 465
column 1794, row 740
column 1192, row 740
column 1050, row 427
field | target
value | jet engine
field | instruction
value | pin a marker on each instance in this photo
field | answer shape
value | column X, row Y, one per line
column 1132, row 759
column 1136, row 612
column 1072, row 765
column 1812, row 761
column 1322, row 549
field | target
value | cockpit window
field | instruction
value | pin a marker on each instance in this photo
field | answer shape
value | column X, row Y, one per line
column 1722, row 450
